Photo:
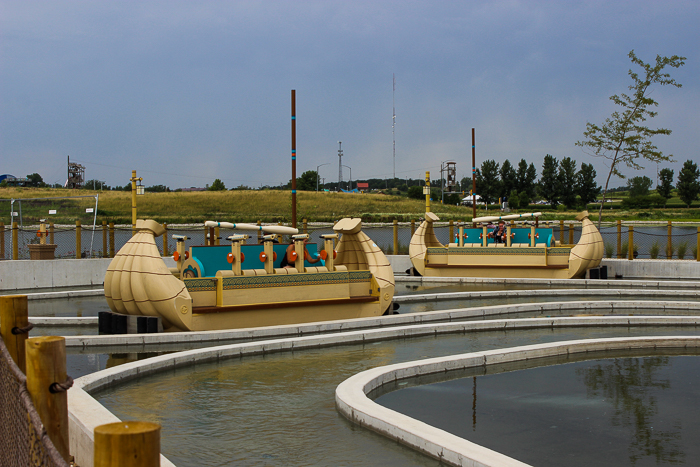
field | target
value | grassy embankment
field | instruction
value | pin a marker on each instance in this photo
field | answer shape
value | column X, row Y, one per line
column 275, row 206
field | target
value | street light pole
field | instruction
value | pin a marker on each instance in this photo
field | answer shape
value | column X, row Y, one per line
column 350, row 188
column 317, row 176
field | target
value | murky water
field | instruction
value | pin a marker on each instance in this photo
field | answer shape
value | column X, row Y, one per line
column 632, row 410
column 279, row 409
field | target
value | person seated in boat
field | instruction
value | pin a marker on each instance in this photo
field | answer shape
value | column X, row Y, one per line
column 499, row 233
column 307, row 255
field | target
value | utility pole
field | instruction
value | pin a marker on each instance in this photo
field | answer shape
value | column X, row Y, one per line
column 340, row 164
column 294, row 159
column 393, row 121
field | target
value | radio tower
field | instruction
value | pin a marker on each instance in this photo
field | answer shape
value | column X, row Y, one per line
column 340, row 164
column 393, row 121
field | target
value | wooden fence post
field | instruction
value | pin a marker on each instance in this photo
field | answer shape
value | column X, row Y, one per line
column 306, row 226
column 78, row 240
column 561, row 232
column 452, row 232
column 413, row 227
column 14, row 316
column 111, row 239
column 15, row 240
column 165, row 240
column 46, row 370
column 2, row 240
column 669, row 244
column 132, row 443
column 619, row 239
column 396, row 237
column 630, row 248
column 571, row 234
column 104, row 239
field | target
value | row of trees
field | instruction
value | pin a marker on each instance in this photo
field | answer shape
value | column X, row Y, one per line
column 560, row 183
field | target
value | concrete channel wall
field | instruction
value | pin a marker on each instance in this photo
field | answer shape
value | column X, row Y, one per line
column 353, row 403
column 61, row 273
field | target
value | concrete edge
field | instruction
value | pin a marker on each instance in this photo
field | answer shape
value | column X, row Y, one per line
column 547, row 292
column 353, row 403
column 583, row 283
column 63, row 321
column 331, row 327
column 84, row 416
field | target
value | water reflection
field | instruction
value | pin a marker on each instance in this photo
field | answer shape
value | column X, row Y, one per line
column 630, row 385
column 633, row 410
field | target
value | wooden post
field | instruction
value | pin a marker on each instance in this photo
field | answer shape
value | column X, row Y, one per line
column 561, row 232
column 78, row 240
column 619, row 239
column 260, row 234
column 413, row 227
column 630, row 249
column 217, row 234
column 111, row 239
column 15, row 239
column 46, row 365
column 132, row 443
column 2, row 240
column 452, row 232
column 396, row 237
column 571, row 234
column 14, row 315
column 669, row 244
column 51, row 233
column 104, row 239
column 165, row 240
column 304, row 222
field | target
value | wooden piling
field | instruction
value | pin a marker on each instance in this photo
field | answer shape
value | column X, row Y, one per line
column 630, row 249
column 46, row 365
column 165, row 240
column 132, row 443
column 14, row 315
column 2, row 240
column 619, row 239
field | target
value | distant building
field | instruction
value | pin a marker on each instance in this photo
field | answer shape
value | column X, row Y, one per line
column 363, row 186
column 14, row 181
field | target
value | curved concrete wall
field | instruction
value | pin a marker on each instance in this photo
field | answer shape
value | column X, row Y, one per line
column 352, row 402
column 85, row 412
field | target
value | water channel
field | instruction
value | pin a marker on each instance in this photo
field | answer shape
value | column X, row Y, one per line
column 279, row 409
column 631, row 410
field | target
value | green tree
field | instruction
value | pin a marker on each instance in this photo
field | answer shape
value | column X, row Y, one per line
column 639, row 186
column 567, row 182
column 218, row 185
column 525, row 178
column 666, row 183
column 624, row 138
column 549, row 182
column 688, row 185
column 415, row 192
column 508, row 178
column 35, row 180
column 488, row 185
column 586, row 186
column 307, row 181
column 513, row 199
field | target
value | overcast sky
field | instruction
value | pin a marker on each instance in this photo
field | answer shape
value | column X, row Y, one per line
column 185, row 92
